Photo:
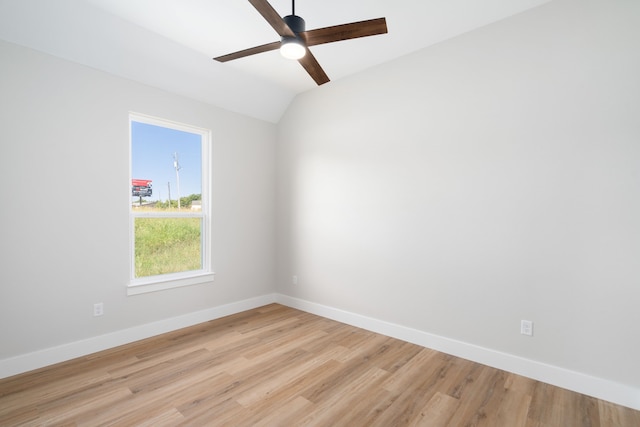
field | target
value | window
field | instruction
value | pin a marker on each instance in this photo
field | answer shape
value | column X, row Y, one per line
column 169, row 205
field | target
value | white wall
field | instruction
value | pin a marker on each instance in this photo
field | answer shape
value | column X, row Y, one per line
column 64, row 215
column 491, row 178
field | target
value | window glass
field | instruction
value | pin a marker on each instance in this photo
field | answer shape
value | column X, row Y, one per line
column 167, row 245
column 169, row 161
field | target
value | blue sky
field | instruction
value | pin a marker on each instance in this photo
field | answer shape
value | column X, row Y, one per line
column 152, row 156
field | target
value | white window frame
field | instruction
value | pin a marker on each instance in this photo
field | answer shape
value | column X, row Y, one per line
column 174, row 280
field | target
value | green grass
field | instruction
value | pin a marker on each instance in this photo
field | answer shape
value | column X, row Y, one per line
column 166, row 245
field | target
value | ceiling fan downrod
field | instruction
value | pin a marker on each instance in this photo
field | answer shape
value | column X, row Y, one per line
column 295, row 22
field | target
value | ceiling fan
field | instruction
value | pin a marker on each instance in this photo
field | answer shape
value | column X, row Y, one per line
column 295, row 40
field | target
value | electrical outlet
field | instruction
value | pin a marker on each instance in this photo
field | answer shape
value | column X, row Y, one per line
column 294, row 280
column 98, row 309
column 526, row 327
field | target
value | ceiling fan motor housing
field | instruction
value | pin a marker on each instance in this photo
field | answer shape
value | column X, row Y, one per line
column 296, row 23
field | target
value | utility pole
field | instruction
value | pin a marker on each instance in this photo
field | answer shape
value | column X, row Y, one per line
column 177, row 167
column 169, row 188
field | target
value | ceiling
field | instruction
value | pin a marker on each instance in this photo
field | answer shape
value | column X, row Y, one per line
column 170, row 43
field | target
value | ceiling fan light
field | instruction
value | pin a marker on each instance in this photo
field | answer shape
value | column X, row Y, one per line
column 292, row 48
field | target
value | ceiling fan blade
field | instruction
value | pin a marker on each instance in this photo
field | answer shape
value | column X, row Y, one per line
column 273, row 18
column 310, row 63
column 353, row 30
column 247, row 52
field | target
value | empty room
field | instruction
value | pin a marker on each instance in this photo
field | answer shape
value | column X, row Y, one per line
column 304, row 213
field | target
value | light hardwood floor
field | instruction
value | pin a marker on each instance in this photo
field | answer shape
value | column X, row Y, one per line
column 276, row 366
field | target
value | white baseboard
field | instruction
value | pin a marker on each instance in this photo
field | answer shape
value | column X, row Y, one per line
column 614, row 392
column 592, row 386
column 39, row 359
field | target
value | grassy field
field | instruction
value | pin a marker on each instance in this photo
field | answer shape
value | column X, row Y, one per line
column 166, row 245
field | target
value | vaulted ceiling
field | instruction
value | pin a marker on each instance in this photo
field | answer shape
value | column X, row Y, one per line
column 170, row 43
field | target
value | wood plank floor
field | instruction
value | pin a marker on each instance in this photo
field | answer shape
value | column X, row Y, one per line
column 276, row 366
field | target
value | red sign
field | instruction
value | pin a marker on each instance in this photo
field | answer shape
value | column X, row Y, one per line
column 141, row 182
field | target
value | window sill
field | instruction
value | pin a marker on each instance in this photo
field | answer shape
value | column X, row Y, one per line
column 169, row 283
